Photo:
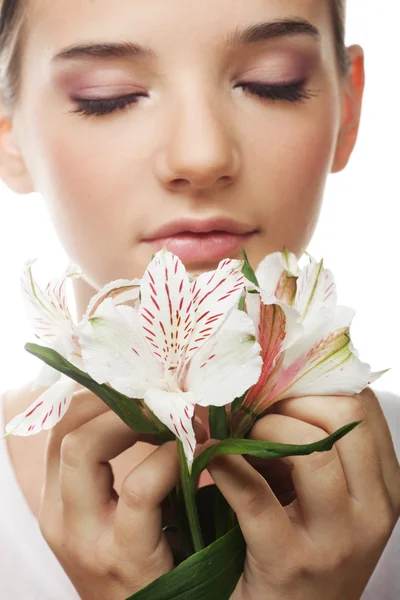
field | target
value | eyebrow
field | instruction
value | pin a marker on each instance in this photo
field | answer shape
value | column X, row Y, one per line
column 238, row 38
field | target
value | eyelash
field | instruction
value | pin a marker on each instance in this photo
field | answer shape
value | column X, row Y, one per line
column 292, row 92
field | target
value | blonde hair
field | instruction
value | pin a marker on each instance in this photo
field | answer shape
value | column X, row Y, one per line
column 11, row 25
column 12, row 13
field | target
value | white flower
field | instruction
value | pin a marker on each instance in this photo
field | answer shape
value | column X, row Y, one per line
column 186, row 344
column 304, row 335
column 53, row 325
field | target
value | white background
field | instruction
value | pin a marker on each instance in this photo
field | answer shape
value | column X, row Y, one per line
column 358, row 233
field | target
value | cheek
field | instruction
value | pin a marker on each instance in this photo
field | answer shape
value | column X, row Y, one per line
column 292, row 168
column 92, row 185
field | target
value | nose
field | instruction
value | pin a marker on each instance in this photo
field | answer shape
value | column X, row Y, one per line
column 200, row 152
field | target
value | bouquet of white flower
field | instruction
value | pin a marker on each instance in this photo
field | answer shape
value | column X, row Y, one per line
column 234, row 340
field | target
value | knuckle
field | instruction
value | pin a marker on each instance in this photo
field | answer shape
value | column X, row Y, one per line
column 348, row 408
column 315, row 435
column 91, row 563
column 321, row 563
column 71, row 450
column 89, row 555
column 336, row 557
column 50, row 532
column 300, row 566
column 381, row 527
column 134, row 495
column 319, row 459
column 50, row 527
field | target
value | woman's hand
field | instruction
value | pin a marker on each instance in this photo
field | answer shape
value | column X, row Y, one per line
column 109, row 546
column 343, row 504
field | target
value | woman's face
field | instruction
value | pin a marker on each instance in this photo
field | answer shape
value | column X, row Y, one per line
column 195, row 144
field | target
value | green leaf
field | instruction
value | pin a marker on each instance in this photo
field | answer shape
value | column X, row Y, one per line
column 247, row 269
column 205, row 502
column 218, row 421
column 266, row 449
column 211, row 574
column 126, row 408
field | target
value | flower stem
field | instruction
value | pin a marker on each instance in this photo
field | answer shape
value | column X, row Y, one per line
column 188, row 490
column 178, row 508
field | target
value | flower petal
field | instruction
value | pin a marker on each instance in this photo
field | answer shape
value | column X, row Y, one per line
column 271, row 336
column 115, row 351
column 254, row 308
column 322, row 362
column 121, row 290
column 47, row 310
column 166, row 308
column 316, row 292
column 49, row 314
column 215, row 294
column 271, row 268
column 46, row 411
column 227, row 364
column 175, row 410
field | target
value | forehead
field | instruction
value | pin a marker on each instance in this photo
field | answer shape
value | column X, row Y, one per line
column 55, row 24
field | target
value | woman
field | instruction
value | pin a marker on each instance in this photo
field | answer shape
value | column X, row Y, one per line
column 131, row 115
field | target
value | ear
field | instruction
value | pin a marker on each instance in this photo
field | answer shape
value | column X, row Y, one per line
column 13, row 171
column 352, row 93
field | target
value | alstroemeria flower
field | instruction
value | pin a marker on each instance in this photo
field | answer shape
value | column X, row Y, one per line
column 187, row 343
column 306, row 345
column 53, row 325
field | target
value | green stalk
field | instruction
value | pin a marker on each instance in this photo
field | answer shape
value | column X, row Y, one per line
column 188, row 490
column 178, row 508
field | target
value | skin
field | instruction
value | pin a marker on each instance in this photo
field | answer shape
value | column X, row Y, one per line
column 195, row 146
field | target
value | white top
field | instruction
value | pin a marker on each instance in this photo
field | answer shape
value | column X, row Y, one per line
column 30, row 570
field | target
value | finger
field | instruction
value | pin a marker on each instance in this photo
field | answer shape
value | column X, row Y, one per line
column 384, row 442
column 358, row 450
column 138, row 514
column 260, row 514
column 84, row 406
column 86, row 477
column 318, row 478
column 278, row 475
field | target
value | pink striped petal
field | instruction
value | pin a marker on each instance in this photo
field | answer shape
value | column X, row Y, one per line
column 175, row 410
column 255, row 307
column 166, row 308
column 323, row 362
column 271, row 335
column 46, row 411
column 215, row 294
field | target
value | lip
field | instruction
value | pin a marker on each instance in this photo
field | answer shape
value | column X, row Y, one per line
column 195, row 241
column 221, row 224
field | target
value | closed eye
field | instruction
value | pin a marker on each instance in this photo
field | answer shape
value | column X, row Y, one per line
column 105, row 106
column 294, row 92
column 291, row 92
